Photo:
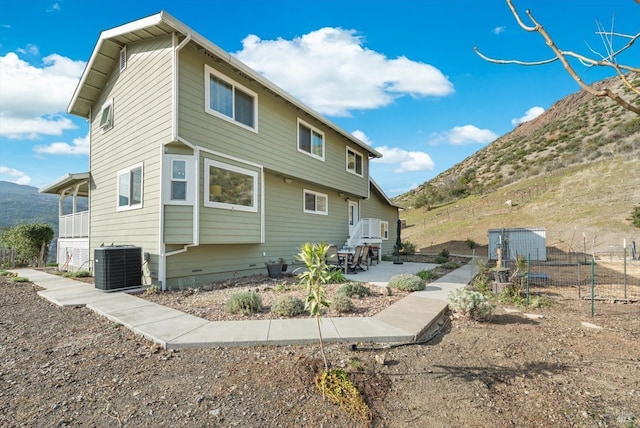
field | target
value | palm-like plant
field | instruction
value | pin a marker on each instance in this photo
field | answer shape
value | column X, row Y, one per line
column 314, row 279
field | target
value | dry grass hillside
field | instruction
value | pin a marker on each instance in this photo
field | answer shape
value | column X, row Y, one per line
column 577, row 130
column 595, row 199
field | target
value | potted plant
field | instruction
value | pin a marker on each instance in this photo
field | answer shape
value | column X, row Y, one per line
column 284, row 263
column 274, row 269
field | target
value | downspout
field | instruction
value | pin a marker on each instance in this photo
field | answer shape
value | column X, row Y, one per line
column 162, row 265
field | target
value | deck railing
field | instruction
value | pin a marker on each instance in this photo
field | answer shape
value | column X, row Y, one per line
column 74, row 225
column 367, row 229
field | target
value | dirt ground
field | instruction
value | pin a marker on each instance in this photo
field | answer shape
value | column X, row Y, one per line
column 542, row 368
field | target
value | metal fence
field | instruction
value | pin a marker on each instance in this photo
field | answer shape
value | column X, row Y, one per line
column 600, row 283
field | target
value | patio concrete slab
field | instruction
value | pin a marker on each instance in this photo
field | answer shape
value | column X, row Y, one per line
column 224, row 333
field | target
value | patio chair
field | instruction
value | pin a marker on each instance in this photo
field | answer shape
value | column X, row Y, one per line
column 332, row 259
column 354, row 263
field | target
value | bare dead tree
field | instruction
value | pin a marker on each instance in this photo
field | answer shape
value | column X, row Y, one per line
column 609, row 59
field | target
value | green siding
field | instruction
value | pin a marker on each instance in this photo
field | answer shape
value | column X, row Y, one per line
column 178, row 224
column 142, row 123
column 275, row 144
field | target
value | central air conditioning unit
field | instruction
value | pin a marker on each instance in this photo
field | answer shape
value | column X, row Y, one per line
column 117, row 267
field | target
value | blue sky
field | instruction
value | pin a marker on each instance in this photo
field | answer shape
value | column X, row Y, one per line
column 400, row 75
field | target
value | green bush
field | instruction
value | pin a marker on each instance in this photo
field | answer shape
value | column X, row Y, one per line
column 287, row 306
column 450, row 265
column 427, row 275
column 19, row 279
column 246, row 302
column 408, row 248
column 78, row 274
column 443, row 256
column 470, row 304
column 407, row 282
column 5, row 273
column 354, row 289
column 336, row 276
column 342, row 303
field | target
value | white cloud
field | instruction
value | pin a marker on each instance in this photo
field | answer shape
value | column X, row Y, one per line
column 331, row 71
column 79, row 146
column 499, row 30
column 466, row 134
column 409, row 161
column 360, row 135
column 14, row 176
column 531, row 114
column 54, row 8
column 32, row 97
column 30, row 49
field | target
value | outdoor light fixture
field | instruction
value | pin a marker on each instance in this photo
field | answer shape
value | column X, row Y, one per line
column 288, row 180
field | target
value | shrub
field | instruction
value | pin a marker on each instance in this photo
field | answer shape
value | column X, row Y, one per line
column 470, row 304
column 5, row 273
column 408, row 248
column 336, row 276
column 354, row 289
column 427, row 275
column 287, row 306
column 19, row 279
column 407, row 282
column 342, row 303
column 471, row 243
column 246, row 302
column 450, row 265
column 78, row 274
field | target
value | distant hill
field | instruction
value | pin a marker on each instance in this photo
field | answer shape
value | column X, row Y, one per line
column 577, row 130
column 23, row 204
column 574, row 170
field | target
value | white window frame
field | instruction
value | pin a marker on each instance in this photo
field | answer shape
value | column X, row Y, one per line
column 355, row 154
column 317, row 195
column 312, row 130
column 123, row 58
column 189, row 179
column 128, row 172
column 384, row 230
column 208, row 71
column 106, row 120
column 208, row 163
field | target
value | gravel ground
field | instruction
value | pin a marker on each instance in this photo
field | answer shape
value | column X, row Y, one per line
column 70, row 367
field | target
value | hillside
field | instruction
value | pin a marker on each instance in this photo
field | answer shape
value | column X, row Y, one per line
column 573, row 170
column 577, row 130
column 23, row 204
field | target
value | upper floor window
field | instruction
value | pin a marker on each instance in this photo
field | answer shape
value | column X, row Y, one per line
column 310, row 140
column 230, row 187
column 130, row 188
column 230, row 100
column 354, row 162
column 106, row 116
column 316, row 203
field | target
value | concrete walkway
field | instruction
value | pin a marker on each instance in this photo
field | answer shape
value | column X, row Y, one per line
column 405, row 321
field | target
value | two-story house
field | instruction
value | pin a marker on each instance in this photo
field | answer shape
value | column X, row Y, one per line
column 208, row 166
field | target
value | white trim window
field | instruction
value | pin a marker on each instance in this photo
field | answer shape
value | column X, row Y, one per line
column 123, row 58
column 384, row 230
column 310, row 140
column 354, row 162
column 230, row 100
column 180, row 180
column 130, row 188
column 106, row 116
column 230, row 187
column 315, row 203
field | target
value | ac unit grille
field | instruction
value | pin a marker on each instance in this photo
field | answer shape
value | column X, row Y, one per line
column 117, row 267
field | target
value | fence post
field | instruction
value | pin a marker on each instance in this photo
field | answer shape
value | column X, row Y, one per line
column 593, row 285
column 473, row 264
column 625, row 267
column 528, row 271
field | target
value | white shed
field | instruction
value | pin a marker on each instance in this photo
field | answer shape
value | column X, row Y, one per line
column 530, row 242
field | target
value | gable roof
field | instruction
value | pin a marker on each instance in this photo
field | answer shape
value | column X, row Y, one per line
column 68, row 182
column 107, row 51
column 381, row 192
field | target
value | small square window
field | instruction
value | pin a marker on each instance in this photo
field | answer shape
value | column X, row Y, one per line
column 106, row 116
column 130, row 188
column 315, row 203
